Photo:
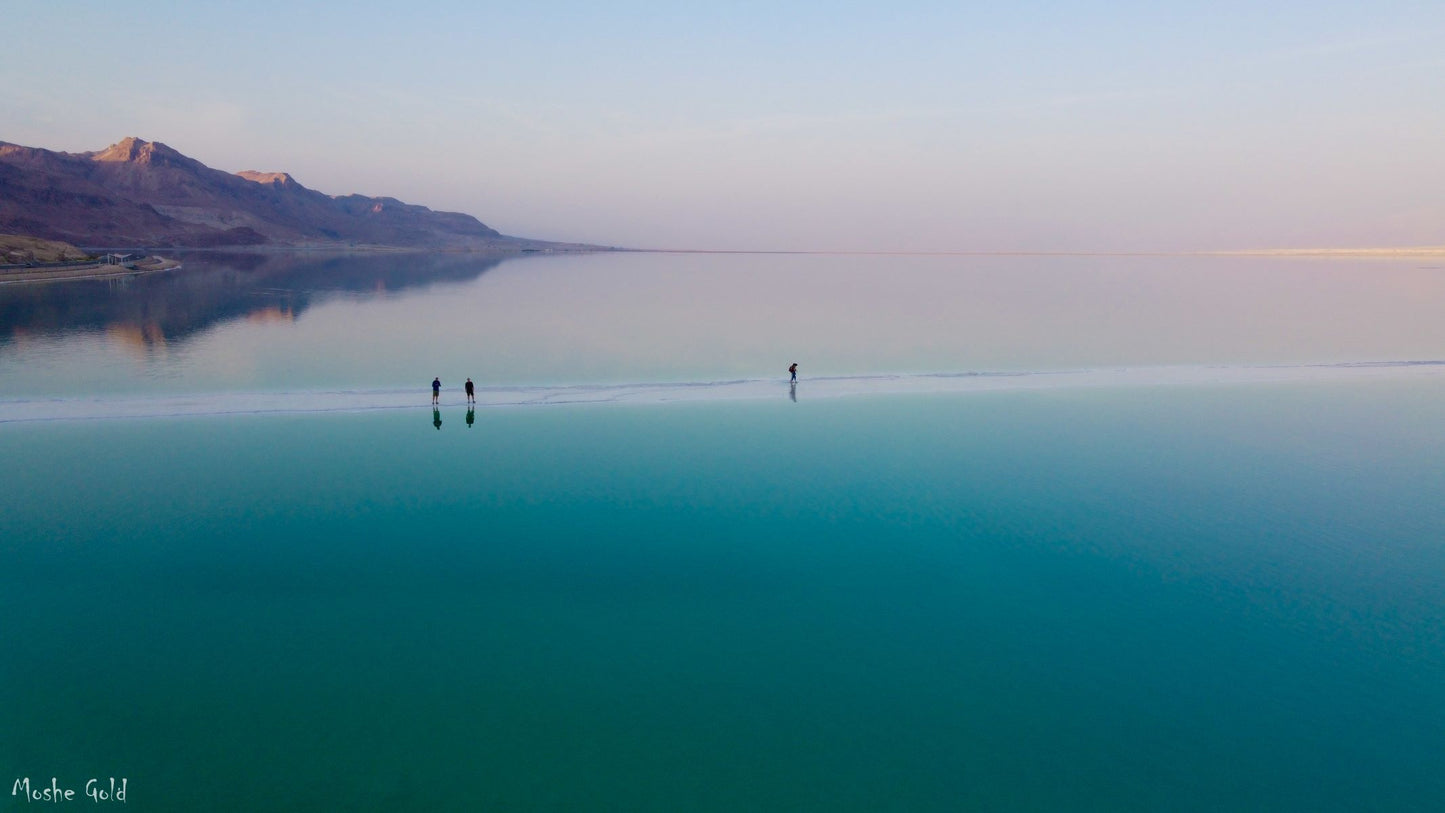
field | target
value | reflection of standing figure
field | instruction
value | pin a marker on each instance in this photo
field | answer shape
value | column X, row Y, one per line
column 436, row 418
column 436, row 389
column 793, row 391
column 471, row 417
column 793, row 368
column 471, row 392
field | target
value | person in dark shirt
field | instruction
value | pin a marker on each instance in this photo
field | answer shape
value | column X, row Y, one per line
column 471, row 392
column 793, row 368
column 436, row 389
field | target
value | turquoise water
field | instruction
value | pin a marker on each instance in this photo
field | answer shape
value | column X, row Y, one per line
column 1181, row 598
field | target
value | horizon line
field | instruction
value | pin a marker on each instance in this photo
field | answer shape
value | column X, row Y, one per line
column 1401, row 251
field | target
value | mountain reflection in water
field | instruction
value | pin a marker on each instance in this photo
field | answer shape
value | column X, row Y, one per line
column 152, row 311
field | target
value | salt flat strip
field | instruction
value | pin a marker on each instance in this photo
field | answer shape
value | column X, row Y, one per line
column 363, row 400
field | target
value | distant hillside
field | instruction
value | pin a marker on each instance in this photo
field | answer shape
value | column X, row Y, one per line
column 16, row 248
column 143, row 193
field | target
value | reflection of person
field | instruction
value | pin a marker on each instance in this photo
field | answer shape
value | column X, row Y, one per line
column 436, row 418
column 471, row 392
column 793, row 368
column 471, row 417
column 793, row 391
column 436, row 389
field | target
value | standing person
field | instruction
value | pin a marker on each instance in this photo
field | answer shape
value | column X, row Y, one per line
column 793, row 368
column 471, row 392
column 436, row 389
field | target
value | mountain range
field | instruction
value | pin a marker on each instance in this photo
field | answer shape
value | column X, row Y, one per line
column 144, row 193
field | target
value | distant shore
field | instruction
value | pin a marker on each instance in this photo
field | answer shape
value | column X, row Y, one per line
column 87, row 270
column 518, row 247
column 95, row 268
column 1416, row 251
column 1413, row 251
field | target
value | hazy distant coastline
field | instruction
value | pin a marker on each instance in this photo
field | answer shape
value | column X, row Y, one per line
column 1408, row 251
column 146, row 194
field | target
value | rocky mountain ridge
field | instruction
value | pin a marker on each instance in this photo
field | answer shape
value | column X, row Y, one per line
column 144, row 193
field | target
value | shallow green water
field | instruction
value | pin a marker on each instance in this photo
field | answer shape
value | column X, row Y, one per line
column 1144, row 599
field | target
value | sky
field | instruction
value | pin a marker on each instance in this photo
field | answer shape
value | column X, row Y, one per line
column 910, row 126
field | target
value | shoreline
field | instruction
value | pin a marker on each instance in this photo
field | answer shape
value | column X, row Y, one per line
column 1410, row 252
column 96, row 270
column 1414, row 251
column 43, row 409
column 529, row 247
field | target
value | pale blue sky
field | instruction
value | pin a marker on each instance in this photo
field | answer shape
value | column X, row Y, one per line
column 912, row 126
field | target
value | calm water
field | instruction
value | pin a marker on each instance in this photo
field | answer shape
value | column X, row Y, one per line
column 286, row 322
column 1110, row 598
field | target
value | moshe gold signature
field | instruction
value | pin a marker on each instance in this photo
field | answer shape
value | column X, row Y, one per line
column 96, row 790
